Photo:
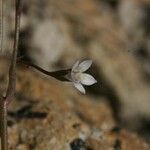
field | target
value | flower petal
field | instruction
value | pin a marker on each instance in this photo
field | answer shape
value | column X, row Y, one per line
column 79, row 87
column 75, row 66
column 87, row 79
column 85, row 65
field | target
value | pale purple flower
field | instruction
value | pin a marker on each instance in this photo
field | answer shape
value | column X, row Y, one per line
column 78, row 77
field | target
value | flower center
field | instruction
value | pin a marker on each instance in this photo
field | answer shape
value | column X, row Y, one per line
column 77, row 76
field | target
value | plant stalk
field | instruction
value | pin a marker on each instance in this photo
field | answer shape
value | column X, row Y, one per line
column 12, row 69
column 1, row 24
column 3, row 125
column 4, row 101
column 60, row 74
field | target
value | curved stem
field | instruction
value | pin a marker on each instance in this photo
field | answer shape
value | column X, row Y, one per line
column 60, row 74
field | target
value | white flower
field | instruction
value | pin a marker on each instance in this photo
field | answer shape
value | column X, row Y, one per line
column 78, row 77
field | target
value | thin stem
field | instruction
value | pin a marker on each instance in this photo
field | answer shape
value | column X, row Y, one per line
column 3, row 125
column 12, row 69
column 12, row 81
column 60, row 74
column 1, row 24
column 3, row 109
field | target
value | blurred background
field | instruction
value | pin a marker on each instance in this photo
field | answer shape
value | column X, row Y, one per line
column 115, row 34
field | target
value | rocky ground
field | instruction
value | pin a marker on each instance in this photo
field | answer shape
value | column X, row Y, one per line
column 49, row 114
column 54, row 34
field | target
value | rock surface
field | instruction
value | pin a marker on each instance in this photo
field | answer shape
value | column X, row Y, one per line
column 49, row 114
column 62, row 32
column 114, row 34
